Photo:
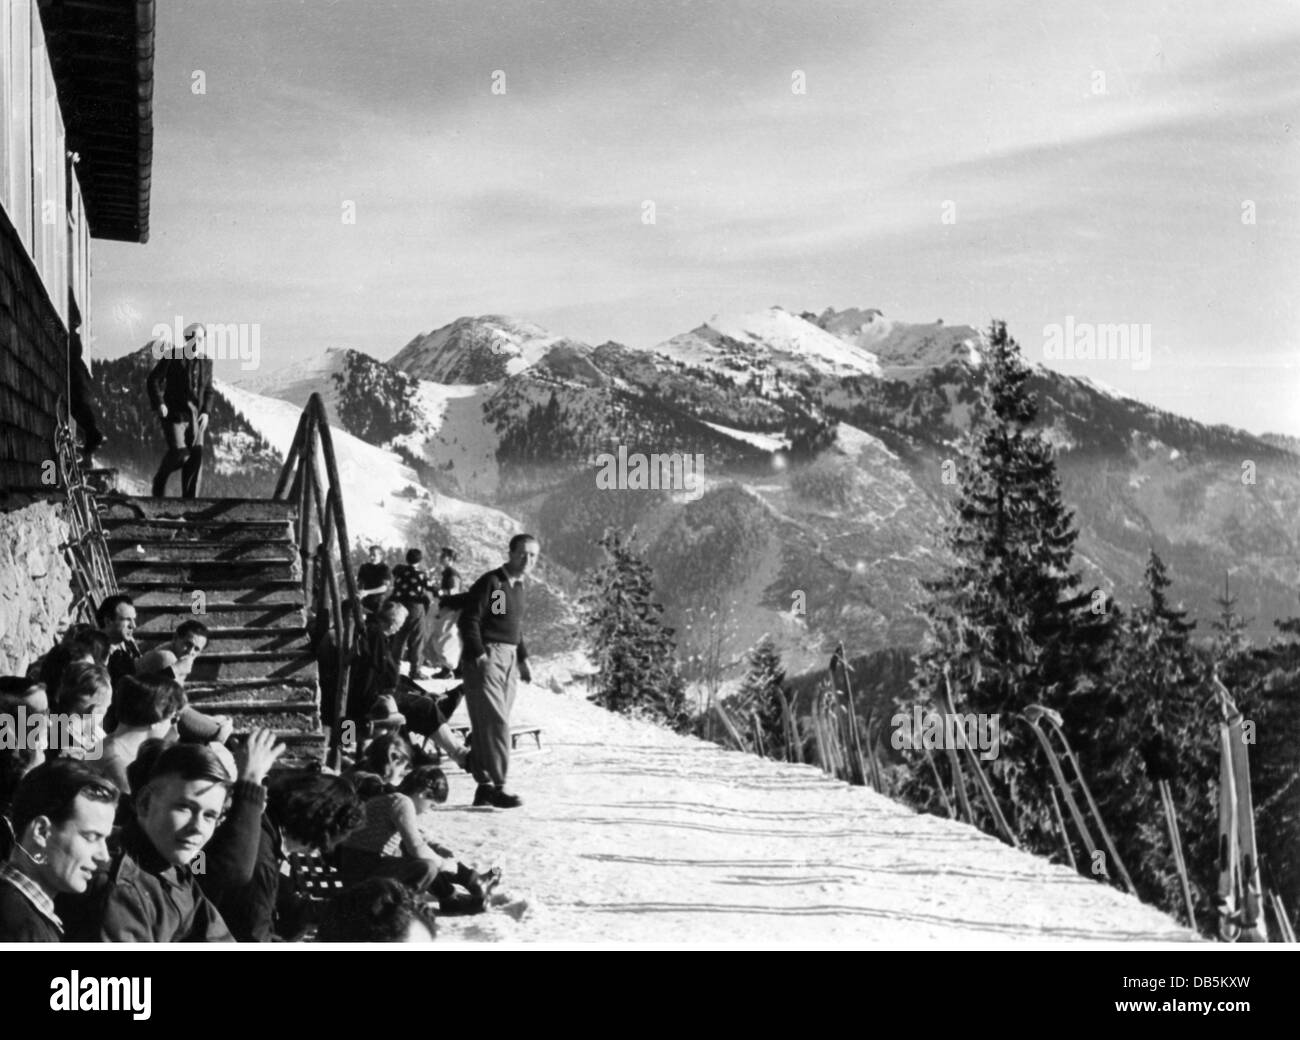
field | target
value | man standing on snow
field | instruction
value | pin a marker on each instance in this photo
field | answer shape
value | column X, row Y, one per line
column 494, row 658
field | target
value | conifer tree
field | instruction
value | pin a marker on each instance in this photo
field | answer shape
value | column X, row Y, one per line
column 1231, row 642
column 634, row 650
column 1267, row 690
column 1010, row 618
column 1162, row 726
column 761, row 693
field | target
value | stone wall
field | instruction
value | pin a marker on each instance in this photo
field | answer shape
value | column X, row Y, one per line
column 36, row 593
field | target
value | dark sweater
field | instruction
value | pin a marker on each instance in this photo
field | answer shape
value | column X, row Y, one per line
column 493, row 613
column 411, row 585
column 230, row 858
column 180, row 382
column 376, row 669
column 269, row 904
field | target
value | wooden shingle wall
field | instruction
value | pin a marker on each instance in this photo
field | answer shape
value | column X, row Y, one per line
column 33, row 365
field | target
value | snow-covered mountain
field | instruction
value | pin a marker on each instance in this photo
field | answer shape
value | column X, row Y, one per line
column 903, row 350
column 743, row 346
column 474, row 350
column 822, row 439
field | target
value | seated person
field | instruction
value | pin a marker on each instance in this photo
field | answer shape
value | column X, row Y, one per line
column 83, row 699
column 150, row 893
column 174, row 660
column 62, row 816
column 305, row 810
column 30, row 694
column 389, row 844
column 147, row 709
column 117, row 617
column 80, row 644
column 15, row 763
column 384, row 718
column 376, row 673
column 382, row 764
column 378, row 910
column 177, row 656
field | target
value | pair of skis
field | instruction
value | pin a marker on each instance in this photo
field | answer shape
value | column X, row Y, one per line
column 1046, row 725
column 1240, row 892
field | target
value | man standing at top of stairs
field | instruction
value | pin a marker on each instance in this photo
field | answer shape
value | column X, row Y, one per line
column 181, row 393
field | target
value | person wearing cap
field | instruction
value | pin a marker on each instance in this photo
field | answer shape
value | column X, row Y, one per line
column 181, row 393
column 150, row 893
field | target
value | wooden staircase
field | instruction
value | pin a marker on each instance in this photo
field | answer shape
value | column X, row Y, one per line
column 234, row 565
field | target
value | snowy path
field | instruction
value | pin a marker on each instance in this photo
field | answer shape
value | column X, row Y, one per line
column 632, row 834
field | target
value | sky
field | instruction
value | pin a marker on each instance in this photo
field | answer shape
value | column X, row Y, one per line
column 1053, row 164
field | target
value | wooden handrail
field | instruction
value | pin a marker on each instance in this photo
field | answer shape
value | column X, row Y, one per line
column 321, row 531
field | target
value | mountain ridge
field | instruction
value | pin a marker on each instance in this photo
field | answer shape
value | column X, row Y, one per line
column 837, row 427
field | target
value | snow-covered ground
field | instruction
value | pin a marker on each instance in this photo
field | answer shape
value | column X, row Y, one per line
column 855, row 441
column 298, row 381
column 765, row 441
column 454, row 436
column 632, row 834
column 371, row 479
column 371, row 476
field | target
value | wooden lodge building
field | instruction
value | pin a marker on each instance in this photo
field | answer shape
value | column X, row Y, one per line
column 76, row 147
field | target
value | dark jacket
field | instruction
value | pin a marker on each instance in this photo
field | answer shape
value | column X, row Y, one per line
column 479, row 623
column 20, row 921
column 269, row 903
column 179, row 382
column 145, row 899
column 122, row 661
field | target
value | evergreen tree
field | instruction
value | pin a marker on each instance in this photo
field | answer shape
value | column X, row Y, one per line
column 1161, row 726
column 1231, row 642
column 1267, row 690
column 760, row 694
column 634, row 650
column 1010, row 618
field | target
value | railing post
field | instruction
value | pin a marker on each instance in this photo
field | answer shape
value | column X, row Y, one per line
column 295, row 450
